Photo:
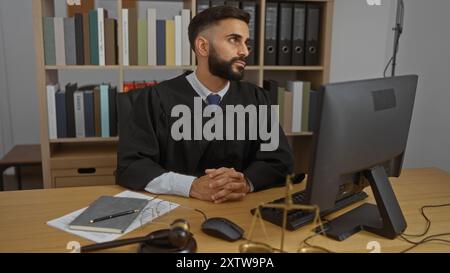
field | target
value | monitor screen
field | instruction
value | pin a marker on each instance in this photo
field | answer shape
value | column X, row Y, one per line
column 361, row 132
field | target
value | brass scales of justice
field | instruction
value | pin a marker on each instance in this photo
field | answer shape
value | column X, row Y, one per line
column 259, row 247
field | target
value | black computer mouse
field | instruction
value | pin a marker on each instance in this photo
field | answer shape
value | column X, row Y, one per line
column 222, row 228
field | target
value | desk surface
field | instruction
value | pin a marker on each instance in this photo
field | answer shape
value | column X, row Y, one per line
column 23, row 217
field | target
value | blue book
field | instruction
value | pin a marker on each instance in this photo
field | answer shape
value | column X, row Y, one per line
column 61, row 114
column 89, row 113
column 104, row 109
column 160, row 42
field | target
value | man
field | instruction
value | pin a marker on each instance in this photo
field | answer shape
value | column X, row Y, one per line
column 149, row 158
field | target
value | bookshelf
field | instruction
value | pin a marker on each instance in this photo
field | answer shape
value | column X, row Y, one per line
column 91, row 161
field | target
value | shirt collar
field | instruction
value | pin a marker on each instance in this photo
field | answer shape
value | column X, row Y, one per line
column 202, row 90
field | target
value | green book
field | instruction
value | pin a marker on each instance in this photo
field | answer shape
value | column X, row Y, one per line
column 93, row 36
column 142, row 42
column 49, row 41
column 128, row 208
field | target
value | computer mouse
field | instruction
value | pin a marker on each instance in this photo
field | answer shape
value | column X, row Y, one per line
column 222, row 228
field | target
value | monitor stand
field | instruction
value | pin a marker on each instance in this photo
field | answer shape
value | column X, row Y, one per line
column 385, row 219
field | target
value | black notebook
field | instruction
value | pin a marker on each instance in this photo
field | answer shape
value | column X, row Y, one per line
column 105, row 206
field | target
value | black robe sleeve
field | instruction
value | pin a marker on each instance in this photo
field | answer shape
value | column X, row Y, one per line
column 138, row 151
column 269, row 168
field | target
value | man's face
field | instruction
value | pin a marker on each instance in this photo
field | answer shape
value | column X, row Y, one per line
column 228, row 49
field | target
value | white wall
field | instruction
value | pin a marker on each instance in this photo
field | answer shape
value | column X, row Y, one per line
column 425, row 50
column 360, row 39
column 18, row 74
column 5, row 118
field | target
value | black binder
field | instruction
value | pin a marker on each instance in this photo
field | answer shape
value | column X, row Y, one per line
column 202, row 5
column 312, row 52
column 232, row 4
column 298, row 34
column 285, row 34
column 250, row 7
column 270, row 43
column 216, row 3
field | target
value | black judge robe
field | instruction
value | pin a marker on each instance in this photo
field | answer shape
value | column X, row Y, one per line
column 146, row 149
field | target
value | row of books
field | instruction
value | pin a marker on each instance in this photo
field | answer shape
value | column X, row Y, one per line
column 294, row 104
column 85, row 111
column 292, row 33
column 85, row 39
column 129, row 86
column 250, row 7
column 292, row 36
column 148, row 41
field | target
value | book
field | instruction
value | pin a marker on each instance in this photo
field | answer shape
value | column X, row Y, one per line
column 151, row 36
column 51, row 108
column 70, row 41
column 49, row 40
column 86, row 39
column 101, row 16
column 160, row 42
column 170, row 42
column 104, row 109
column 186, row 46
column 125, row 39
column 296, row 87
column 61, row 114
column 106, row 206
column 93, row 37
column 110, row 41
column 97, row 112
column 112, row 96
column 178, row 52
column 70, row 110
column 79, row 38
column 59, row 41
column 89, row 113
column 133, row 36
column 142, row 42
column 80, row 125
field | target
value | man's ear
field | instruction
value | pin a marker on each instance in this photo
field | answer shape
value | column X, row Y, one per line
column 202, row 46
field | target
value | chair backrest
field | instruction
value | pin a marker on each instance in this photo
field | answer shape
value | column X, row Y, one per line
column 125, row 102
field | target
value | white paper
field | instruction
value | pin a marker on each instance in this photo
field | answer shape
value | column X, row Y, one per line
column 155, row 208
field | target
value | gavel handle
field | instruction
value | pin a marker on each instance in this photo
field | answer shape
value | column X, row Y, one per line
column 100, row 246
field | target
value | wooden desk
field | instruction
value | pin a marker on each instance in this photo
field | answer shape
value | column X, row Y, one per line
column 23, row 217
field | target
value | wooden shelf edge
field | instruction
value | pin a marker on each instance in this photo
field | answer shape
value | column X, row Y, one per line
column 81, row 67
column 293, row 68
column 157, row 67
column 84, row 140
column 288, row 134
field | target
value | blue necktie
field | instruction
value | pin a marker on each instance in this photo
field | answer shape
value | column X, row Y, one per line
column 213, row 99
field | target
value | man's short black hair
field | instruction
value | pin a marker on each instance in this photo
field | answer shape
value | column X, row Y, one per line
column 212, row 16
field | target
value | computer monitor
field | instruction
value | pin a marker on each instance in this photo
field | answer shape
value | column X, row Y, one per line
column 361, row 134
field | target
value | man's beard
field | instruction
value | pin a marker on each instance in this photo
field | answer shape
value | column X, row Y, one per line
column 224, row 69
